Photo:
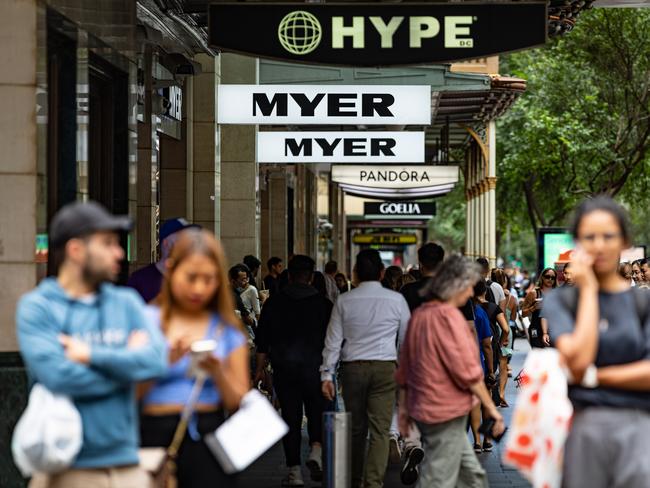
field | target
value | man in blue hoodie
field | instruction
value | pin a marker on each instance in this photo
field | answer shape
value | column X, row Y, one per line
column 83, row 337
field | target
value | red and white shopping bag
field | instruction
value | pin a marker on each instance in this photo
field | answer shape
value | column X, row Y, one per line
column 541, row 420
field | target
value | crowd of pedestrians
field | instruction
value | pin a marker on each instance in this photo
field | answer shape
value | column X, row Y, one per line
column 419, row 358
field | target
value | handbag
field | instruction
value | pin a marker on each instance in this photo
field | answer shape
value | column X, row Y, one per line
column 48, row 435
column 247, row 434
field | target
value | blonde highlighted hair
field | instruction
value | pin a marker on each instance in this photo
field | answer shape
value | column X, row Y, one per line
column 189, row 243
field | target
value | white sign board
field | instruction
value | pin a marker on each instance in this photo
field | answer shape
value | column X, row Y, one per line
column 340, row 147
column 324, row 104
column 395, row 177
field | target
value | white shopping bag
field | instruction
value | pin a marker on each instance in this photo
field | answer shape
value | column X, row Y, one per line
column 48, row 435
column 247, row 434
column 541, row 420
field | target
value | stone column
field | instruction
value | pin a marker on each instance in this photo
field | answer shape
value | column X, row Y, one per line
column 338, row 220
column 274, row 215
column 19, row 168
column 173, row 173
column 491, row 188
column 239, row 170
column 147, row 166
column 204, row 172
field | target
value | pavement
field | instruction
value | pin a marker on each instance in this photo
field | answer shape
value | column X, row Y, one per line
column 269, row 470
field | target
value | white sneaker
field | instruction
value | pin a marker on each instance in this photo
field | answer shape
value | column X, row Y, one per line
column 395, row 452
column 294, row 477
column 315, row 463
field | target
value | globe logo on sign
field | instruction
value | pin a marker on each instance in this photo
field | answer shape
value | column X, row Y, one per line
column 299, row 32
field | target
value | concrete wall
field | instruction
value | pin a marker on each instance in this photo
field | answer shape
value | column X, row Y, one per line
column 18, row 160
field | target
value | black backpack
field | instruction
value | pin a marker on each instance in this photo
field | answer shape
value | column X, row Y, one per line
column 489, row 294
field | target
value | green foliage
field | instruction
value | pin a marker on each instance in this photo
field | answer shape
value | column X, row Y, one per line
column 581, row 128
column 448, row 226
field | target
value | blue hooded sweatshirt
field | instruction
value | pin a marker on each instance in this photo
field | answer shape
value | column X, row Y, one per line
column 102, row 391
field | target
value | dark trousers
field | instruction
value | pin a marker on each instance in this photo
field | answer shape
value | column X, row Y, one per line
column 196, row 466
column 297, row 385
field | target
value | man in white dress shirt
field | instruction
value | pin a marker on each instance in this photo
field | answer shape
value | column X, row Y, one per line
column 372, row 321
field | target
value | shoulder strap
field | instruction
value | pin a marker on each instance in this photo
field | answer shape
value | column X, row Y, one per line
column 641, row 304
column 188, row 410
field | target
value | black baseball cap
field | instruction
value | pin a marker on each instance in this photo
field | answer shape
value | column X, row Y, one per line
column 80, row 219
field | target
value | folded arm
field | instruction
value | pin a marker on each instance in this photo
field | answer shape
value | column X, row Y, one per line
column 140, row 363
column 45, row 357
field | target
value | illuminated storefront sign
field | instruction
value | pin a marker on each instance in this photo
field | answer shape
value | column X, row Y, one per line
column 316, row 104
column 395, row 177
column 377, row 35
column 403, row 239
column 399, row 210
column 340, row 147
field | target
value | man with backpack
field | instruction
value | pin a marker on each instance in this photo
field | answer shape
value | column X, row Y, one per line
column 495, row 293
column 89, row 340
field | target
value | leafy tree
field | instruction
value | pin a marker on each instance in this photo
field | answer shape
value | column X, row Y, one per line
column 583, row 125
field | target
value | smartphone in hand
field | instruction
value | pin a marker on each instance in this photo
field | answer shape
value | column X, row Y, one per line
column 198, row 351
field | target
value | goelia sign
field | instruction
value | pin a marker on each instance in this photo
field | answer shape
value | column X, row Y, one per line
column 340, row 147
column 395, row 177
column 399, row 210
column 377, row 35
column 403, row 239
column 314, row 104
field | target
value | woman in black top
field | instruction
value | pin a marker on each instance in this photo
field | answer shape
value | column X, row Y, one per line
column 532, row 307
column 601, row 327
column 500, row 334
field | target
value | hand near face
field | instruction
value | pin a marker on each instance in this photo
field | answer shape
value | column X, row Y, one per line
column 582, row 269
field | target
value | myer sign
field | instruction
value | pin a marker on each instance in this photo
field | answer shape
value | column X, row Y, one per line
column 373, row 35
column 392, row 177
column 340, row 147
column 314, row 104
column 399, row 210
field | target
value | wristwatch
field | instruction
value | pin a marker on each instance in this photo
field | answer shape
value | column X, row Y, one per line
column 590, row 378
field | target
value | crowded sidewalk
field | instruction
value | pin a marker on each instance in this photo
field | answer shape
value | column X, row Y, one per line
column 270, row 469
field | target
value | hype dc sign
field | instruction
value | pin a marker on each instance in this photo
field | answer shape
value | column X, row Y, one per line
column 300, row 32
column 377, row 34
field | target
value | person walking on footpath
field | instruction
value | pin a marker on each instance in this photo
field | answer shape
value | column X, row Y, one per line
column 532, row 307
column 196, row 304
column 253, row 264
column 272, row 280
column 484, row 337
column 83, row 337
column 291, row 333
column 440, row 378
column 601, row 328
column 331, row 268
column 495, row 293
column 366, row 328
column 147, row 281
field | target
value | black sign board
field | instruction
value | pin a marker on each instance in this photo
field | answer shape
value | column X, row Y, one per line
column 415, row 210
column 373, row 34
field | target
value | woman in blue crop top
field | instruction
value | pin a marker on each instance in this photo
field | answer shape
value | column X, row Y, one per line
column 195, row 303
